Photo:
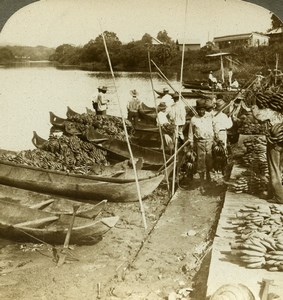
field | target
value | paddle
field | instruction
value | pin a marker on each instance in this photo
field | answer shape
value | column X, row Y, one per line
column 63, row 254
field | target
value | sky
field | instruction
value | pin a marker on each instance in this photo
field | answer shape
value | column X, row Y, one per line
column 55, row 22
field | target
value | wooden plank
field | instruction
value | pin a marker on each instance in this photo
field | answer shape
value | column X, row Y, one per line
column 225, row 269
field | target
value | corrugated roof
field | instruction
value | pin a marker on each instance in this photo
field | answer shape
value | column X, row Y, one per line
column 241, row 36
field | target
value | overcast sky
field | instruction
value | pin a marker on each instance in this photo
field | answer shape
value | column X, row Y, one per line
column 54, row 22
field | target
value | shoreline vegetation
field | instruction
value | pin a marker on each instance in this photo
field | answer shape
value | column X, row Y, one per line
column 133, row 57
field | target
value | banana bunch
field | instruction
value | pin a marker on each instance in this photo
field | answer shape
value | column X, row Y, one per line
column 239, row 186
column 276, row 133
column 259, row 242
column 270, row 100
column 68, row 154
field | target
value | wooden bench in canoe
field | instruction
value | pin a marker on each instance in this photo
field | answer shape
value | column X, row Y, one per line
column 22, row 223
column 91, row 187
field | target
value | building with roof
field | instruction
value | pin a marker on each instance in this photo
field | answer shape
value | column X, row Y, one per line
column 189, row 45
column 246, row 40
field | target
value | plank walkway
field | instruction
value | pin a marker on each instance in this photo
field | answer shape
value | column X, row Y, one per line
column 225, row 271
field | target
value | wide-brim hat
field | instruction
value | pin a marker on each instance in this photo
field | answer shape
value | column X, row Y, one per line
column 201, row 103
column 102, row 88
column 165, row 90
column 162, row 106
column 134, row 93
column 220, row 103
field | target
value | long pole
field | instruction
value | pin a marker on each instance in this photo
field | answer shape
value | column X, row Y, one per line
column 158, row 124
column 126, row 134
column 168, row 82
column 181, row 81
column 276, row 67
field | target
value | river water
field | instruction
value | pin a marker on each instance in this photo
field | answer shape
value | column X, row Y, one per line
column 29, row 91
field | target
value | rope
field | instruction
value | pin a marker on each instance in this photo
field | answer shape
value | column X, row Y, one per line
column 126, row 132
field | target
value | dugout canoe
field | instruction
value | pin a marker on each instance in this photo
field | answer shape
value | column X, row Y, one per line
column 185, row 94
column 22, row 223
column 80, row 187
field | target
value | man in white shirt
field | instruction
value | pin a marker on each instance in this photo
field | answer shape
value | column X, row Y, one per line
column 201, row 136
column 178, row 114
column 167, row 129
column 100, row 104
column 167, row 99
column 221, row 122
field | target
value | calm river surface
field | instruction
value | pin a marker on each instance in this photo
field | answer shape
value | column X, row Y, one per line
column 28, row 92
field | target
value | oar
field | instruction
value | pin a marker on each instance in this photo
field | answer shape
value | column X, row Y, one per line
column 63, row 254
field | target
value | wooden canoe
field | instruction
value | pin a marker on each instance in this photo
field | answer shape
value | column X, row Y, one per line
column 185, row 94
column 91, row 187
column 51, row 204
column 22, row 223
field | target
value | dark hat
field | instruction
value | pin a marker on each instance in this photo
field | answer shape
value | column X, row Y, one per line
column 102, row 88
column 165, row 90
column 175, row 96
column 201, row 103
column 162, row 106
column 134, row 93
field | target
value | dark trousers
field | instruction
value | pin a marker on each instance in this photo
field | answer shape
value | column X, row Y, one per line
column 275, row 160
column 101, row 112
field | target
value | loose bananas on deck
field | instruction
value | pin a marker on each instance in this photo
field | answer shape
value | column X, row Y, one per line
column 259, row 242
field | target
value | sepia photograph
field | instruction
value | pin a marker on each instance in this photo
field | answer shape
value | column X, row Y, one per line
column 140, row 151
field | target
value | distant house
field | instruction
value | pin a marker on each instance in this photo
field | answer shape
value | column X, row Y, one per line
column 189, row 45
column 253, row 39
column 275, row 36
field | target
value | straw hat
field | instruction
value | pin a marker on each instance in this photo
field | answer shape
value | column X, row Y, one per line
column 134, row 93
column 162, row 106
column 102, row 88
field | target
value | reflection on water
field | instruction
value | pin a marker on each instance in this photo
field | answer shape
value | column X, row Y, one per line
column 29, row 91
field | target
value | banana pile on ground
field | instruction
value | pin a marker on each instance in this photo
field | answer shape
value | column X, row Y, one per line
column 68, row 154
column 104, row 124
column 255, row 179
column 259, row 241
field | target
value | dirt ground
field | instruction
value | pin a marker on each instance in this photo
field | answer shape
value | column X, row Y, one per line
column 169, row 260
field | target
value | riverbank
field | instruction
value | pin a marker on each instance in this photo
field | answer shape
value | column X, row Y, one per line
column 130, row 262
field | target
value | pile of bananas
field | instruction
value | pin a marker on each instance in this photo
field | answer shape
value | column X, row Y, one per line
column 219, row 155
column 259, row 241
column 254, row 179
column 68, row 154
column 104, row 124
column 249, row 125
column 270, row 100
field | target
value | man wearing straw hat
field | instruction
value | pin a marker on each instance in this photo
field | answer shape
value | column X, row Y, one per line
column 101, row 102
column 166, row 126
column 167, row 99
column 201, row 136
column 133, row 107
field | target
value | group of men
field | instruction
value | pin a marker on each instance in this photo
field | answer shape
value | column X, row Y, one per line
column 219, row 85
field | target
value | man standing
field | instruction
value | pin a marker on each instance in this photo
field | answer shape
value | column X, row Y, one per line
column 230, row 75
column 221, row 122
column 177, row 115
column 201, row 137
column 274, row 150
column 133, row 107
column 100, row 104
column 167, row 99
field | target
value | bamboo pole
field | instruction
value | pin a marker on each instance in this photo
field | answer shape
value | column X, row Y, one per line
column 168, row 82
column 126, row 133
column 181, row 81
column 159, row 127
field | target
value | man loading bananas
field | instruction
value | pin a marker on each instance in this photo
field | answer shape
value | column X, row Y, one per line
column 274, row 137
